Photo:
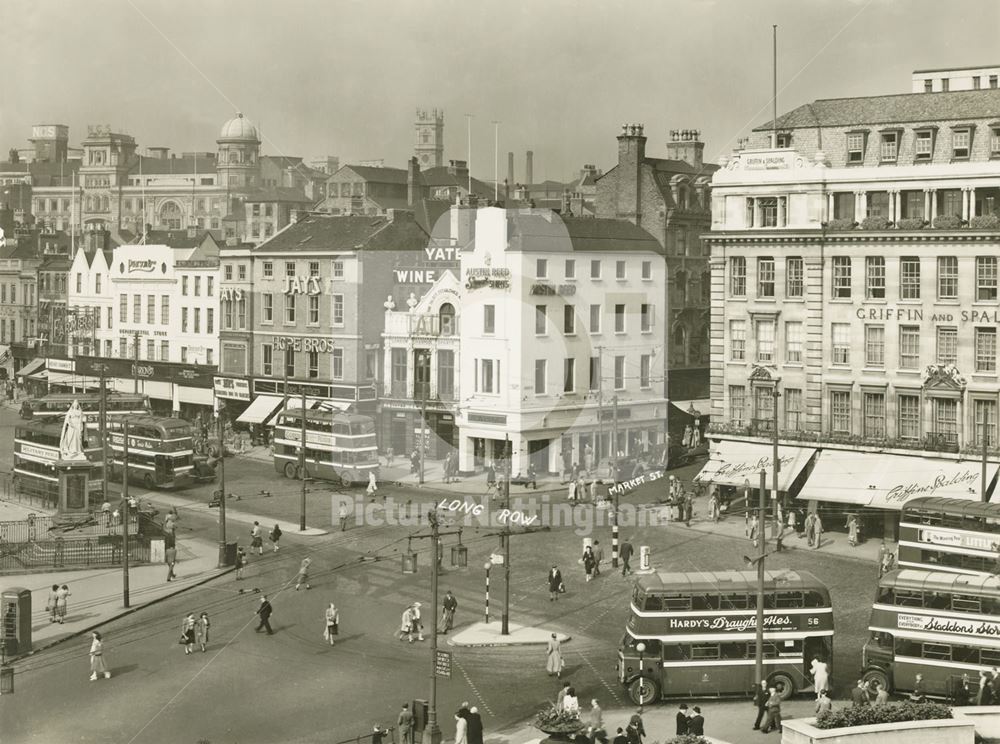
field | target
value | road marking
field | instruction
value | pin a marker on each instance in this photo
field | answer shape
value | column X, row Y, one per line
column 475, row 690
column 600, row 677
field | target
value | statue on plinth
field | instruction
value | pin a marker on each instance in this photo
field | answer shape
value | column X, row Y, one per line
column 71, row 441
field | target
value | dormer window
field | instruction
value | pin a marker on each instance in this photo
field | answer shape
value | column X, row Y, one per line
column 889, row 149
column 923, row 146
column 961, row 143
column 855, row 148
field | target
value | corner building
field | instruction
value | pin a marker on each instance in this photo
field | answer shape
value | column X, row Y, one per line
column 855, row 273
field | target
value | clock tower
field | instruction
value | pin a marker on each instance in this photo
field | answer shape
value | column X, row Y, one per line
column 430, row 138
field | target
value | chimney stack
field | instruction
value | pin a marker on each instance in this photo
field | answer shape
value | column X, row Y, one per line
column 686, row 145
column 631, row 155
column 412, row 177
column 529, row 172
column 510, row 167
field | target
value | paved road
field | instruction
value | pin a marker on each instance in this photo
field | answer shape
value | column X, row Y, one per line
column 290, row 687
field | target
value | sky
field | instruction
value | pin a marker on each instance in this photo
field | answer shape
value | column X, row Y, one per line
column 344, row 77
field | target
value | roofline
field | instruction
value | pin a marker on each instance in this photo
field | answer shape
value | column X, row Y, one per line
column 957, row 69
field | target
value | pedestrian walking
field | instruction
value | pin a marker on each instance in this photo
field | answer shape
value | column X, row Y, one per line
column 274, row 536
column 810, row 529
column 682, row 720
column 688, row 508
column 491, row 478
column 625, row 553
column 404, row 725
column 753, row 530
column 561, row 694
column 106, row 513
column 448, row 606
column 885, row 560
column 475, row 726
column 553, row 657
column 303, row 577
column 389, row 454
column 572, row 490
column 581, row 488
column 636, row 723
column 773, row 720
column 52, row 605
column 532, row 476
column 342, row 516
column 588, row 562
column 818, row 531
column 201, row 631
column 406, row 625
column 823, row 703
column 170, row 556
column 332, row 617
column 598, row 557
column 461, row 730
column 820, row 672
column 97, row 664
column 555, row 584
column 62, row 594
column 760, row 696
column 256, row 541
column 588, row 458
column 792, row 516
column 567, row 465
column 853, row 529
column 984, row 696
column 187, row 633
column 696, row 723
column 372, row 484
column 241, row 562
column 713, row 505
column 264, row 613
column 595, row 723
column 417, row 625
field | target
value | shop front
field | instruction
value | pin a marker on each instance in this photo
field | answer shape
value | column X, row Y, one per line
column 874, row 486
column 174, row 389
column 735, row 466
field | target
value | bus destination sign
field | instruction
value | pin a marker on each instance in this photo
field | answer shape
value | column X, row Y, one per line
column 659, row 625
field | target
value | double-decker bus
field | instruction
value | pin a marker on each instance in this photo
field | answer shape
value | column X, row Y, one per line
column 938, row 624
column 952, row 535
column 36, row 451
column 699, row 633
column 339, row 446
column 54, row 406
column 160, row 450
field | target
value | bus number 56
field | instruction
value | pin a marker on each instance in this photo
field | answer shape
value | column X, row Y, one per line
column 812, row 621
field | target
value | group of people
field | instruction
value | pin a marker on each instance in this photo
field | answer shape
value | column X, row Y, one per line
column 468, row 726
column 257, row 538
column 195, row 631
column 594, row 731
column 57, row 603
column 593, row 556
column 768, row 703
column 690, row 721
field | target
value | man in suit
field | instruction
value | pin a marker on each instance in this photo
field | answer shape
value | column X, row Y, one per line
column 682, row 720
column 474, row 731
column 264, row 611
column 760, row 700
column 404, row 724
column 635, row 722
column 773, row 720
column 696, row 723
column 625, row 553
column 620, row 737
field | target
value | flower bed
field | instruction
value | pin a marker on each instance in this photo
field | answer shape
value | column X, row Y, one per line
column 876, row 714
column 687, row 739
column 552, row 720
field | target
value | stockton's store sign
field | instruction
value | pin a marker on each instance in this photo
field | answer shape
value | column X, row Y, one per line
column 929, row 623
column 906, row 491
column 297, row 343
column 915, row 314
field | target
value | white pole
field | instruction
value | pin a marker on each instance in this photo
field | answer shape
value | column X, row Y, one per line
column 468, row 161
column 496, row 160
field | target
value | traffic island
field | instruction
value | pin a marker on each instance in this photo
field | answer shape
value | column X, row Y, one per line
column 488, row 634
column 951, row 730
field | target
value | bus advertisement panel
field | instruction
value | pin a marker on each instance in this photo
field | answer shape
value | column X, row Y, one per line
column 698, row 634
column 952, row 535
column 937, row 624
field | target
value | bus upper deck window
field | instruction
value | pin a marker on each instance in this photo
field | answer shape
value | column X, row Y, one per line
column 653, row 603
column 677, row 602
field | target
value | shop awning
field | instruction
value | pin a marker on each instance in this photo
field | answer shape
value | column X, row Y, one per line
column 889, row 481
column 701, row 407
column 71, row 380
column 33, row 366
column 732, row 463
column 261, row 409
column 196, row 396
column 41, row 375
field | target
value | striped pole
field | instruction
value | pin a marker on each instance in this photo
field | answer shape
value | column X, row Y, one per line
column 614, row 534
column 487, row 593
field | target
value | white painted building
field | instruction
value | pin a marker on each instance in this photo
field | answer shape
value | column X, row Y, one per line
column 560, row 327
column 152, row 303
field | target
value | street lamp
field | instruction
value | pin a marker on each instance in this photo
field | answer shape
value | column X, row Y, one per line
column 641, row 648
column 222, row 487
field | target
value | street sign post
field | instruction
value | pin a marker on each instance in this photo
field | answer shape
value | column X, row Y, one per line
column 442, row 663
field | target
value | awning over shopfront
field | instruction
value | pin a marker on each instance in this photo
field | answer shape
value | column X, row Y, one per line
column 732, row 463
column 261, row 409
column 195, row 396
column 33, row 366
column 40, row 376
column 701, row 408
column 74, row 381
column 889, row 481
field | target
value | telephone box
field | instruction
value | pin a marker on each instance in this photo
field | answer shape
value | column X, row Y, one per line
column 15, row 609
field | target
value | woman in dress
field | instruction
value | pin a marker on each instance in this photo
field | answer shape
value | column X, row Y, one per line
column 852, row 530
column 188, row 632
column 97, row 665
column 589, row 562
column 571, row 703
column 201, row 630
column 53, row 604
column 555, row 583
column 62, row 594
column 554, row 659
column 303, row 577
column 332, row 623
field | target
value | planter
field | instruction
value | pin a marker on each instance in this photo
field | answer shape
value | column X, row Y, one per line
column 985, row 717
column 950, row 730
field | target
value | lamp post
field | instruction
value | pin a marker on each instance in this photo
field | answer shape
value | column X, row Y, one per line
column 762, row 553
column 641, row 648
column 302, row 465
column 746, row 504
column 222, row 488
column 487, row 567
column 505, row 617
column 777, row 462
column 126, row 514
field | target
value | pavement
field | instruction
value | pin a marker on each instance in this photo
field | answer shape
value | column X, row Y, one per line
column 488, row 634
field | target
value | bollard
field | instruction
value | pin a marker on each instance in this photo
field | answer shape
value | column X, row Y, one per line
column 644, row 563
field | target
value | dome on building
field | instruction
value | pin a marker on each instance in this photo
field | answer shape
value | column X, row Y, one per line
column 239, row 128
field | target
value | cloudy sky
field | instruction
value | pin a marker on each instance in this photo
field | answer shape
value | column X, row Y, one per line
column 343, row 77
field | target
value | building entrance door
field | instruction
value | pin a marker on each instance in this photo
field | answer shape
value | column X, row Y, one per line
column 538, row 455
column 397, row 439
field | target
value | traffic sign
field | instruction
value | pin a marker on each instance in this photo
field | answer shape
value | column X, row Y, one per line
column 442, row 663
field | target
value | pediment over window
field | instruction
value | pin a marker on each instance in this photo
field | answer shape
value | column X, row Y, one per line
column 943, row 377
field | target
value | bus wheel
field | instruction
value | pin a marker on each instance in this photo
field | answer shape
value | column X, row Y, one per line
column 213, row 450
column 147, row 481
column 782, row 684
column 290, row 470
column 643, row 691
column 874, row 677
